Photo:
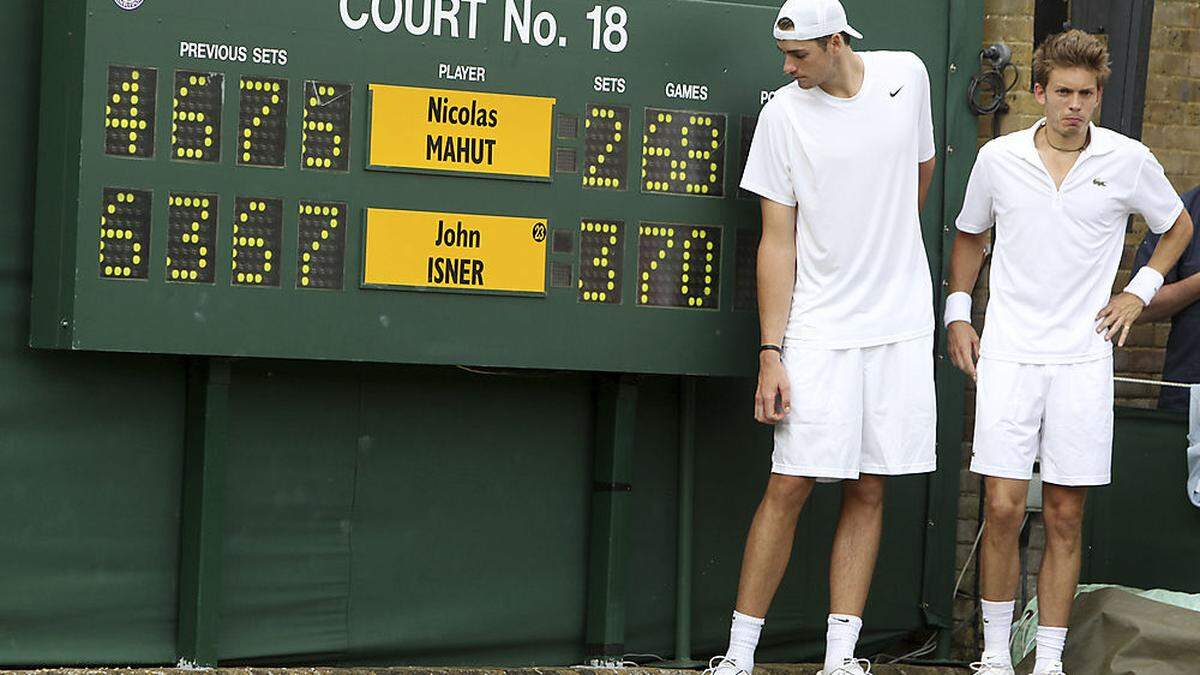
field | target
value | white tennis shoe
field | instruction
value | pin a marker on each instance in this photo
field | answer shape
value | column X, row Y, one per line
column 723, row 665
column 850, row 667
column 990, row 665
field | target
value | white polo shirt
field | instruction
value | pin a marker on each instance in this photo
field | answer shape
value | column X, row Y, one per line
column 849, row 165
column 1057, row 250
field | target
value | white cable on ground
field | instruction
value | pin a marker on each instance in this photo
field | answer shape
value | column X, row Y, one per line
column 1157, row 383
column 931, row 644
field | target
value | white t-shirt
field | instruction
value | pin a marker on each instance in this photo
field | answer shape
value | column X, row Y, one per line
column 1057, row 251
column 850, row 168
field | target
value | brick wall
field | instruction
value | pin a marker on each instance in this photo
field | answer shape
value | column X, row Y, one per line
column 1171, row 129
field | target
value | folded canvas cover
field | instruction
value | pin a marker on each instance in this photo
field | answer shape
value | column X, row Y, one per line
column 1116, row 632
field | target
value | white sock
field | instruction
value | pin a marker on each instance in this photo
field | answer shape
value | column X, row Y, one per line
column 743, row 639
column 1050, row 643
column 997, row 626
column 840, row 639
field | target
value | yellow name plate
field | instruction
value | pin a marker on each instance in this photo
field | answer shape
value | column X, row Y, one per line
column 459, row 251
column 460, row 131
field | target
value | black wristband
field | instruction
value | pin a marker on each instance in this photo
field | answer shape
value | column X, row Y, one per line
column 770, row 348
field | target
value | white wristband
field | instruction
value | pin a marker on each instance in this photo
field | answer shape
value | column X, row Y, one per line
column 958, row 308
column 1145, row 283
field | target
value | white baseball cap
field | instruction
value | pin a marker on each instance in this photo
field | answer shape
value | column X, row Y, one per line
column 813, row 19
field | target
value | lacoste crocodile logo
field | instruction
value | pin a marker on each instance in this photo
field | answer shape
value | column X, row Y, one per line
column 1099, row 182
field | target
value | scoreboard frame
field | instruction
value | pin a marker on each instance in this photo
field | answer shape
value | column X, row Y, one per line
column 726, row 56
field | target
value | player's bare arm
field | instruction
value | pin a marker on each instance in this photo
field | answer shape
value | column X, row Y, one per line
column 1125, row 308
column 925, row 175
column 966, row 259
column 776, row 277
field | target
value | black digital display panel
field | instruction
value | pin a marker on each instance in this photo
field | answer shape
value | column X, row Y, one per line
column 191, row 230
column 683, row 153
column 322, row 245
column 749, row 124
column 679, row 265
column 129, row 111
column 196, row 104
column 325, row 142
column 601, row 243
column 262, row 121
column 257, row 231
column 606, row 147
column 125, row 233
column 745, row 272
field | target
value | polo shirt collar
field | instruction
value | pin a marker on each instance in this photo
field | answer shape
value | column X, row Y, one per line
column 1101, row 143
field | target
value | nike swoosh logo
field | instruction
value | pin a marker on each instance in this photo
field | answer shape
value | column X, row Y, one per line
column 893, row 94
column 842, row 620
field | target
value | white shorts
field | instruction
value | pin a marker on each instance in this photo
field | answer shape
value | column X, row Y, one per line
column 1062, row 413
column 867, row 410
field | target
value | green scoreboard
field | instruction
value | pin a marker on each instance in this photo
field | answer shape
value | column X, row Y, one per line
column 517, row 183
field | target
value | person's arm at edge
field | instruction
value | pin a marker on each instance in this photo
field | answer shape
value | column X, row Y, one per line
column 776, row 278
column 925, row 173
column 975, row 219
column 1172, row 298
column 1126, row 308
column 966, row 259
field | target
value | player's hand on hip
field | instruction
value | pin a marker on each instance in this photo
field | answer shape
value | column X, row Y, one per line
column 773, row 399
column 962, row 342
column 1118, row 317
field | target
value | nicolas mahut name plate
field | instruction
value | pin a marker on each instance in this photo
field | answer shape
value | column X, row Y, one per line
column 460, row 132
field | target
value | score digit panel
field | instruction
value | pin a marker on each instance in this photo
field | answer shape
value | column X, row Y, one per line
column 129, row 111
column 683, row 153
column 192, row 224
column 257, row 232
column 196, row 116
column 679, row 266
column 601, row 249
column 262, row 121
column 325, row 144
column 322, row 251
column 606, row 147
column 124, row 233
column 369, row 198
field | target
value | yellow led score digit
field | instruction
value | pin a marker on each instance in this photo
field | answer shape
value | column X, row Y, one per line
column 656, row 240
column 683, row 153
column 599, row 261
column 129, row 112
column 190, row 225
column 256, row 232
column 321, row 245
column 325, row 140
column 196, row 116
column 697, row 272
column 262, row 121
column 124, row 231
column 605, row 147
column 678, row 271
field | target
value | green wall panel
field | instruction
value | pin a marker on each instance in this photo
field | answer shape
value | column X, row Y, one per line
column 470, row 518
column 1145, row 513
column 290, row 473
column 89, row 448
